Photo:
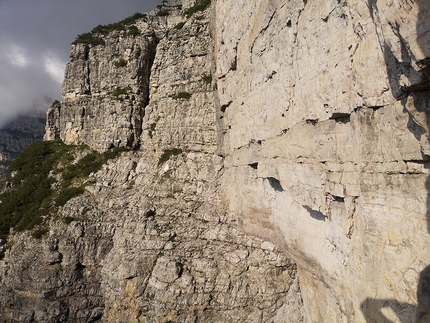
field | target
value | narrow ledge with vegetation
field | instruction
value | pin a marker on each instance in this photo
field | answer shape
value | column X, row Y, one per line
column 95, row 36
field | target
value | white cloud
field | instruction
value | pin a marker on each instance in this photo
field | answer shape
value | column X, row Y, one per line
column 5, row 100
column 33, row 53
column 54, row 67
column 17, row 56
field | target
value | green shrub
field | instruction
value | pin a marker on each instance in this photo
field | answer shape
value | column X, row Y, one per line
column 117, row 93
column 165, row 156
column 121, row 91
column 153, row 126
column 182, row 95
column 152, row 129
column 112, row 153
column 118, row 26
column 163, row 13
column 207, row 78
column 68, row 219
column 133, row 18
column 91, row 38
column 68, row 193
column 75, row 176
column 85, row 166
column 121, row 63
column 200, row 5
column 133, row 31
column 106, row 29
column 167, row 175
column 39, row 233
column 23, row 206
column 179, row 26
column 31, row 196
column 56, row 104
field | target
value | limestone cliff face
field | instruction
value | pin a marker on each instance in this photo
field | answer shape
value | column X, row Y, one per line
column 279, row 170
column 105, row 90
column 149, row 241
column 324, row 118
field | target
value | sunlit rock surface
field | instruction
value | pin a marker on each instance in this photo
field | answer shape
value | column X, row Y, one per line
column 279, row 170
column 324, row 130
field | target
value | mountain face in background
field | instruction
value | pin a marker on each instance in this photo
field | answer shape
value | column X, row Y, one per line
column 273, row 166
column 18, row 134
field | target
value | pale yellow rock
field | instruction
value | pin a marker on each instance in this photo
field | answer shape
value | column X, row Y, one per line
column 325, row 136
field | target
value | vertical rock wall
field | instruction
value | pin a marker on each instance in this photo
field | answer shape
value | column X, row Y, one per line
column 149, row 241
column 307, row 125
column 106, row 89
column 323, row 113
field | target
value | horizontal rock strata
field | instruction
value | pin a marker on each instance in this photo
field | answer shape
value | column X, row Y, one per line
column 324, row 127
column 278, row 170
column 149, row 240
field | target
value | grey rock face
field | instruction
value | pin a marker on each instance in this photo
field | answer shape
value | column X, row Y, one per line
column 302, row 123
column 150, row 240
column 52, row 127
column 105, row 91
column 324, row 114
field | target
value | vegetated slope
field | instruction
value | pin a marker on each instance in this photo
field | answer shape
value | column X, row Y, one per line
column 44, row 177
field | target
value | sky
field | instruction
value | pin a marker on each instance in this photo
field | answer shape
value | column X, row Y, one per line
column 35, row 38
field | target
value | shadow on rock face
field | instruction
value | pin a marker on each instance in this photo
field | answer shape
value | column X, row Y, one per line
column 408, row 62
column 423, row 37
column 423, row 294
column 377, row 310
column 408, row 71
column 408, row 67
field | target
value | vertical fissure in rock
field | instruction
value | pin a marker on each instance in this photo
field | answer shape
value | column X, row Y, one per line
column 145, row 77
column 146, row 73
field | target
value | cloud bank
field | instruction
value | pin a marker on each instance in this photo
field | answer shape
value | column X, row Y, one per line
column 35, row 38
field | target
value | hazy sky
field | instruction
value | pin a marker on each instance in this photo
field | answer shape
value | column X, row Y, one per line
column 35, row 38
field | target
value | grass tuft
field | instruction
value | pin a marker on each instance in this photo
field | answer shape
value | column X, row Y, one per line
column 120, row 63
column 182, row 95
column 165, row 156
column 201, row 5
column 207, row 78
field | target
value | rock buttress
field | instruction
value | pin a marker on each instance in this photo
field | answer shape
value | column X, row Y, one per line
column 106, row 89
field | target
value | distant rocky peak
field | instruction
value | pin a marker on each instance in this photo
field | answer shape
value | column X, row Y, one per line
column 18, row 134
